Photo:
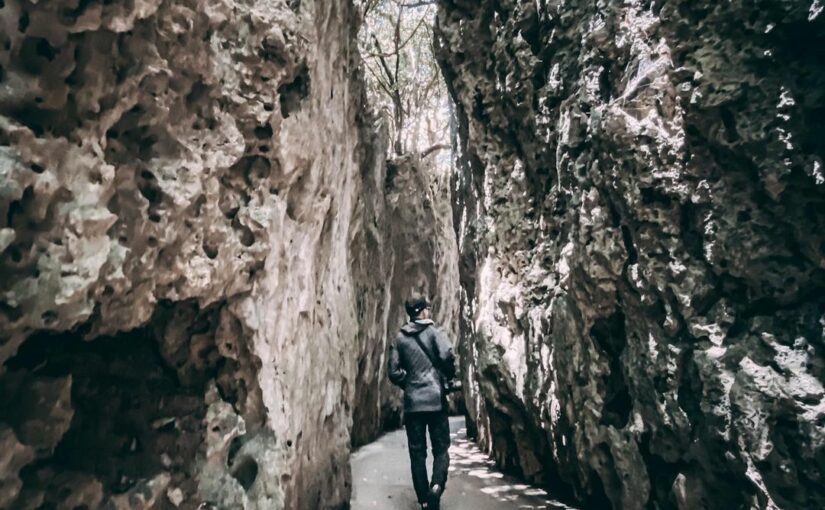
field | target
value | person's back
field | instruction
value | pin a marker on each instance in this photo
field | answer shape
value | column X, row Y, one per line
column 421, row 359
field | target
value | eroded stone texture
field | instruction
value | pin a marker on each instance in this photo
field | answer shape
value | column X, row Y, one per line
column 193, row 254
column 641, row 216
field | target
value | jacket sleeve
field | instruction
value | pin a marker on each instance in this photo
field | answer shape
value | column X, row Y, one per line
column 445, row 354
column 395, row 372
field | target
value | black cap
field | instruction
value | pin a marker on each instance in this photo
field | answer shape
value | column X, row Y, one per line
column 415, row 304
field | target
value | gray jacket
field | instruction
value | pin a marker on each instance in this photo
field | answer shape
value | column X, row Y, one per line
column 411, row 370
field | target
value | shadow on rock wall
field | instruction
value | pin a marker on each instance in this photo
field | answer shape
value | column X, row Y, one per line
column 88, row 420
column 641, row 214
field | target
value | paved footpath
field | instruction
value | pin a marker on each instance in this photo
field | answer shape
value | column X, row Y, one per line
column 381, row 478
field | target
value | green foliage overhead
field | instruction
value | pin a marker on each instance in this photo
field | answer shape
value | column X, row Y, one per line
column 403, row 77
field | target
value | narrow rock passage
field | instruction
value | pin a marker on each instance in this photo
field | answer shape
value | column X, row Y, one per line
column 381, row 478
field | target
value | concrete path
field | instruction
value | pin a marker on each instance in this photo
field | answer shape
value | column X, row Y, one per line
column 381, row 478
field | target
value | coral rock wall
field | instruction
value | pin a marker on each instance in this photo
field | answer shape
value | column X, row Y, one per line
column 194, row 250
column 641, row 212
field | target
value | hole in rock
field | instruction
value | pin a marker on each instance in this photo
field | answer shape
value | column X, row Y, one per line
column 36, row 119
column 149, row 189
column 245, row 470
column 23, row 22
column 197, row 206
column 75, row 79
column 49, row 317
column 731, row 133
column 17, row 208
column 632, row 254
column 35, row 52
column 251, row 169
column 263, row 132
column 654, row 196
column 199, row 91
column 232, row 213
column 293, row 93
column 691, row 229
column 661, row 473
column 247, row 237
column 122, row 391
column 234, row 448
column 690, row 388
column 610, row 338
column 15, row 253
column 46, row 50
column 210, row 250
column 79, row 8
column 11, row 313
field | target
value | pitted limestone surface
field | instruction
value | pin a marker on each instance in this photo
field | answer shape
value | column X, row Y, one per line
column 194, row 250
column 641, row 210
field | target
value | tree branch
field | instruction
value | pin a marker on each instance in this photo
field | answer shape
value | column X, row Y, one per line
column 435, row 148
column 412, row 5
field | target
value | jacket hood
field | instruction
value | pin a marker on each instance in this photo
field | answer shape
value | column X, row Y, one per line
column 416, row 326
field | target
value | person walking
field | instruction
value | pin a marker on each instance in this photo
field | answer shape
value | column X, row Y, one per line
column 422, row 364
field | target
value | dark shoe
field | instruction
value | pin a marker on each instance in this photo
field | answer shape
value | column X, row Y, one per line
column 435, row 497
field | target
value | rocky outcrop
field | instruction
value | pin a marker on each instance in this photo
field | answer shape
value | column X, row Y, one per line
column 641, row 213
column 194, row 250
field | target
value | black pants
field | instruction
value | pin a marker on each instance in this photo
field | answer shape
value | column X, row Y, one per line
column 417, row 425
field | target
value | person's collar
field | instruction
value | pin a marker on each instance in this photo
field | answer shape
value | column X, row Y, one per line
column 424, row 322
